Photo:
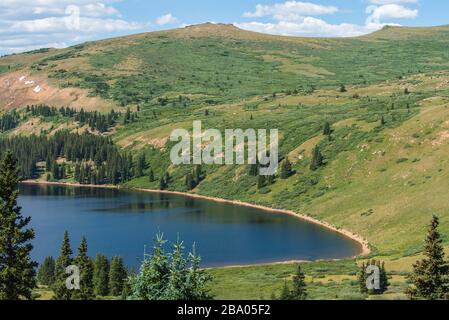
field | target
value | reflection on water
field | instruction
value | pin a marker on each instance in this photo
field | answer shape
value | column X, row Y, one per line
column 122, row 223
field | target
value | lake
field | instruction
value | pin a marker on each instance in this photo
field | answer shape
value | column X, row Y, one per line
column 124, row 223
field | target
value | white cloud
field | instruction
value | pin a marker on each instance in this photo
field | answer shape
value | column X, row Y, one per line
column 297, row 18
column 290, row 8
column 166, row 19
column 382, row 2
column 390, row 11
column 26, row 25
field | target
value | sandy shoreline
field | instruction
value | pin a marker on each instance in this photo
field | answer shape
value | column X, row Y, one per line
column 363, row 243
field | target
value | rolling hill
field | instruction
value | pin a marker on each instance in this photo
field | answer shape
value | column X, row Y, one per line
column 386, row 96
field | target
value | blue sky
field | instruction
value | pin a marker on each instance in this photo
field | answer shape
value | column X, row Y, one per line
column 31, row 24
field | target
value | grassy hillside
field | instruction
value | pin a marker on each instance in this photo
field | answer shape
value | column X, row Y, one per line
column 385, row 167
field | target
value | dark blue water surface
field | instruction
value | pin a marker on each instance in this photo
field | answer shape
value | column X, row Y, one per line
column 123, row 223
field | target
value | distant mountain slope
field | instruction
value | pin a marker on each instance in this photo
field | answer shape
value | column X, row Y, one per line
column 220, row 63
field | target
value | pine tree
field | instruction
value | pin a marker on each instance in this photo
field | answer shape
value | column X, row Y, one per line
column 299, row 290
column 317, row 159
column 162, row 184
column 199, row 175
column 117, row 276
column 285, row 293
column 384, row 283
column 152, row 280
column 101, row 275
column 260, row 181
column 151, row 175
column 17, row 270
column 430, row 275
column 343, row 88
column 197, row 280
column 46, row 272
column 327, row 129
column 190, row 184
column 286, row 169
column 84, row 263
column 126, row 290
column 141, row 165
column 176, row 286
column 64, row 260
column 362, row 279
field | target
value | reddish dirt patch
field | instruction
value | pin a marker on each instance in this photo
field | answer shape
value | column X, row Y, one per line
column 19, row 89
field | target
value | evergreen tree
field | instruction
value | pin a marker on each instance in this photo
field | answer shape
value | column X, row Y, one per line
column 362, row 279
column 169, row 277
column 190, row 184
column 152, row 280
column 343, row 88
column 162, row 184
column 317, row 159
column 176, row 286
column 64, row 260
column 126, row 290
column 299, row 291
column 286, row 169
column 151, row 175
column 430, row 275
column 141, row 165
column 260, row 181
column 17, row 270
column 285, row 293
column 84, row 263
column 197, row 280
column 384, row 283
column 199, row 175
column 46, row 272
column 117, row 276
column 327, row 129
column 101, row 275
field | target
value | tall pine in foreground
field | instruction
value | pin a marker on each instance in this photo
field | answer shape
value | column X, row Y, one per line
column 84, row 263
column 430, row 275
column 62, row 262
column 17, row 270
column 101, row 275
column 117, row 276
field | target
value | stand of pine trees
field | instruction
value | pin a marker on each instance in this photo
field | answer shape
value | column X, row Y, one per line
column 99, row 278
column 363, row 277
column 299, row 287
column 9, row 121
column 94, row 119
column 170, row 276
column 96, row 158
column 17, row 270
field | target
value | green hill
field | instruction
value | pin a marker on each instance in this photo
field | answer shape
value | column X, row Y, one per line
column 386, row 96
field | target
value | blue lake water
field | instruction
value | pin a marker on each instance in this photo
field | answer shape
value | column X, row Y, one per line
column 125, row 222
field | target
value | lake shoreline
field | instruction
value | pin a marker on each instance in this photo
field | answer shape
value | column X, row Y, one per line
column 353, row 236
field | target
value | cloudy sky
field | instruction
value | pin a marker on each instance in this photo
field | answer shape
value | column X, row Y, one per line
column 31, row 24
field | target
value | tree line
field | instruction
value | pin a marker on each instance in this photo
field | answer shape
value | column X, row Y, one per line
column 94, row 119
column 9, row 121
column 96, row 155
